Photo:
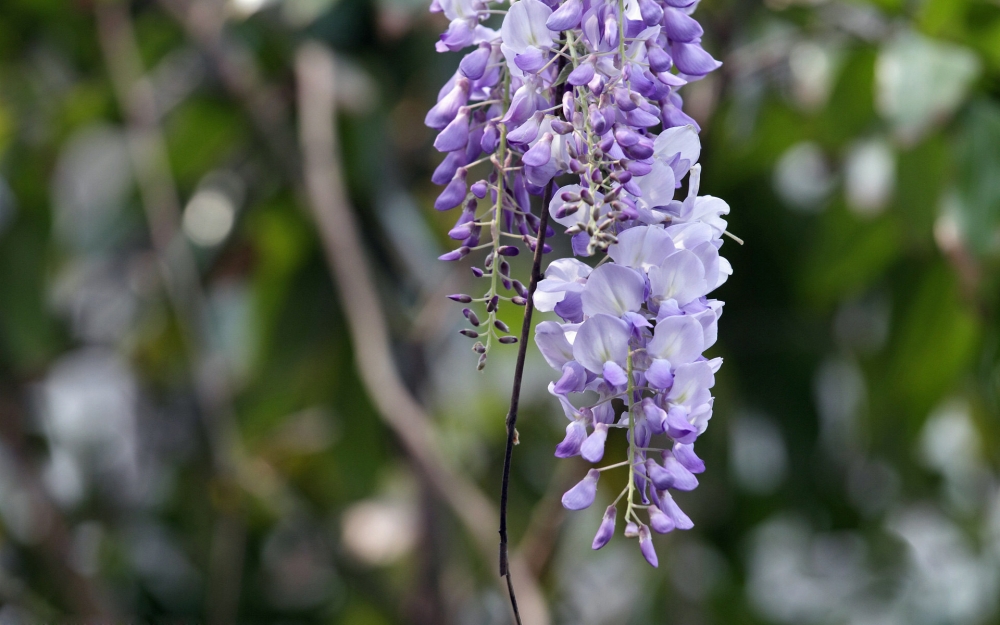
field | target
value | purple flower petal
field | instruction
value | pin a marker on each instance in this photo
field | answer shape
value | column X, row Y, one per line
column 613, row 290
column 681, row 27
column 679, row 339
column 691, row 59
column 659, row 374
column 576, row 433
column 659, row 521
column 671, row 509
column 646, row 546
column 686, row 456
column 566, row 16
column 601, row 339
column 607, row 528
column 583, row 494
column 592, row 449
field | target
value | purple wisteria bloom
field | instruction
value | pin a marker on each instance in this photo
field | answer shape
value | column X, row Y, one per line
column 577, row 102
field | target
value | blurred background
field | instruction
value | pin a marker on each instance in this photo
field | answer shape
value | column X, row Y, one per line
column 186, row 435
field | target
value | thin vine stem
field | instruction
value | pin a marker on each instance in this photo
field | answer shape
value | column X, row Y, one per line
column 515, row 395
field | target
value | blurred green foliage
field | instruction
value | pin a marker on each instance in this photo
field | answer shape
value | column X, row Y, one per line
column 853, row 455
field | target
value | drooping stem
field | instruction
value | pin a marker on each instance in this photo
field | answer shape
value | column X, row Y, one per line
column 522, row 351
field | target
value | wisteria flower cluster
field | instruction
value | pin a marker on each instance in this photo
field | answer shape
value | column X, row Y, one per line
column 576, row 102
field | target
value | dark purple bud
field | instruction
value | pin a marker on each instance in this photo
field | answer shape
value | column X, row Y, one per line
column 460, row 297
column 493, row 304
column 519, row 288
column 622, row 176
column 569, row 196
column 479, row 189
column 541, row 153
column 472, row 317
column 455, row 254
column 623, row 99
column 482, row 363
column 583, row 494
column 506, row 283
column 508, row 250
column 587, row 196
column 681, row 27
column 566, row 16
column 597, row 121
column 504, row 268
column 479, row 348
column 651, row 12
column 583, row 74
column 507, row 340
column 472, row 334
column 476, row 271
column 561, row 128
column 646, row 546
column 659, row 60
column 691, row 59
column 640, row 151
column 566, row 209
column 454, row 193
column 447, row 107
column 500, row 325
column 606, row 529
column 637, row 168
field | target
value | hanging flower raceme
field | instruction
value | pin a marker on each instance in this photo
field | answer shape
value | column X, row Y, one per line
column 577, row 101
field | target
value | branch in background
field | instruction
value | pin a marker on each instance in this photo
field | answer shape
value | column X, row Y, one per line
column 338, row 229
column 179, row 271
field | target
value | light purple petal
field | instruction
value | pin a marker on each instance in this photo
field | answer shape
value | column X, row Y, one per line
column 607, row 528
column 642, row 247
column 613, row 290
column 691, row 384
column 678, row 426
column 686, row 456
column 670, row 507
column 551, row 340
column 583, row 494
column 679, row 339
column 614, row 374
column 576, row 433
column 659, row 521
column 601, row 339
column 592, row 449
column 659, row 374
column 680, row 277
column 646, row 546
column 573, row 379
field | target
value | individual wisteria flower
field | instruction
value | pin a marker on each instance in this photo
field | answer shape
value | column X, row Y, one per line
column 576, row 102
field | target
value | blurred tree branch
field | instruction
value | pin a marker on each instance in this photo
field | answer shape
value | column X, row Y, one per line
column 179, row 271
column 338, row 228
